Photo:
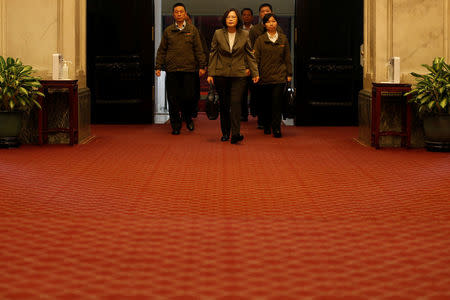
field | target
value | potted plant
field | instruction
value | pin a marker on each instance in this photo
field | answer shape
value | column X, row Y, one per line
column 431, row 97
column 18, row 93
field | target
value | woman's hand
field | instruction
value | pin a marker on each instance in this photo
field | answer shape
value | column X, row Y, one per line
column 255, row 79
column 247, row 72
column 201, row 72
column 289, row 78
column 210, row 80
column 158, row 72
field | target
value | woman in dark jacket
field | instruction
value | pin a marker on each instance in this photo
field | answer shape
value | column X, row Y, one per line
column 275, row 69
column 231, row 60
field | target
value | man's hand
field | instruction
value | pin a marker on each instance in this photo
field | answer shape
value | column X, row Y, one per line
column 255, row 79
column 247, row 71
column 289, row 78
column 158, row 72
column 210, row 80
column 201, row 72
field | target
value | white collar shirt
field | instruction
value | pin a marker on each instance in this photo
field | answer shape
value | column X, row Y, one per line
column 273, row 38
column 182, row 27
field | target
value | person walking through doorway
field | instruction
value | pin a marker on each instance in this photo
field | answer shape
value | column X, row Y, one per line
column 256, row 31
column 275, row 68
column 231, row 60
column 180, row 54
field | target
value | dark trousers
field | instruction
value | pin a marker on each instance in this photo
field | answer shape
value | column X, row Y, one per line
column 180, row 92
column 230, row 96
column 272, row 100
column 244, row 102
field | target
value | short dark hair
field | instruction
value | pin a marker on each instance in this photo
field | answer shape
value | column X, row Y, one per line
column 225, row 15
column 264, row 5
column 178, row 4
column 268, row 16
column 247, row 8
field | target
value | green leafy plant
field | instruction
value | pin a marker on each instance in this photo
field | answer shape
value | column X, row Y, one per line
column 18, row 88
column 432, row 92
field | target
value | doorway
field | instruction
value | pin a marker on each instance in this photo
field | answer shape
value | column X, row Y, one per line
column 329, row 74
column 326, row 39
column 206, row 16
column 120, row 59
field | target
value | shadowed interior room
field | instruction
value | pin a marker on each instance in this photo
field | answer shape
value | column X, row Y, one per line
column 98, row 200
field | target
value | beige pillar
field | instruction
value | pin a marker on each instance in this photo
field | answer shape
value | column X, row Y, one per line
column 415, row 30
column 33, row 30
column 2, row 27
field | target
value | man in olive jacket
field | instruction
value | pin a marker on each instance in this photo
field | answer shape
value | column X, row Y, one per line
column 180, row 54
column 259, row 28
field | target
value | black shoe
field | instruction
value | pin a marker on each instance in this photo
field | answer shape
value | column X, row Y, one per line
column 260, row 127
column 194, row 114
column 236, row 138
column 244, row 119
column 176, row 131
column 277, row 133
column 225, row 137
column 267, row 131
column 190, row 126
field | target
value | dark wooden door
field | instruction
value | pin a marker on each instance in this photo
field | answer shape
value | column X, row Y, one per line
column 327, row 61
column 120, row 60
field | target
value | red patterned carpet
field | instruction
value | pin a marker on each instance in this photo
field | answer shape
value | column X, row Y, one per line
column 140, row 214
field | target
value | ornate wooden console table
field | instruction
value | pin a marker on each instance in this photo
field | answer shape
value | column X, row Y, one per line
column 43, row 130
column 386, row 90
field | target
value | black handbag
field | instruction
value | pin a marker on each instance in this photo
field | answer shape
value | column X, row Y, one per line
column 212, row 103
column 289, row 109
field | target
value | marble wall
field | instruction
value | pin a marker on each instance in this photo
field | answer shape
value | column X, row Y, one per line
column 414, row 30
column 33, row 30
column 419, row 33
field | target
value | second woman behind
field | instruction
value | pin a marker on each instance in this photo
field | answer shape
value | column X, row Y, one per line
column 231, row 60
column 275, row 68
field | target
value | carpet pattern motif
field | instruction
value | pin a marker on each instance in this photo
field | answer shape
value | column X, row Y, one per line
column 140, row 214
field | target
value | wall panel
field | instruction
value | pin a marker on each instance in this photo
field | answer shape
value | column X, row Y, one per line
column 32, row 40
column 418, row 33
column 2, row 28
column 33, row 30
column 415, row 30
column 447, row 29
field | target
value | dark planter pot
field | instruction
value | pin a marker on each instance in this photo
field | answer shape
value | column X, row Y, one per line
column 437, row 133
column 10, row 126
